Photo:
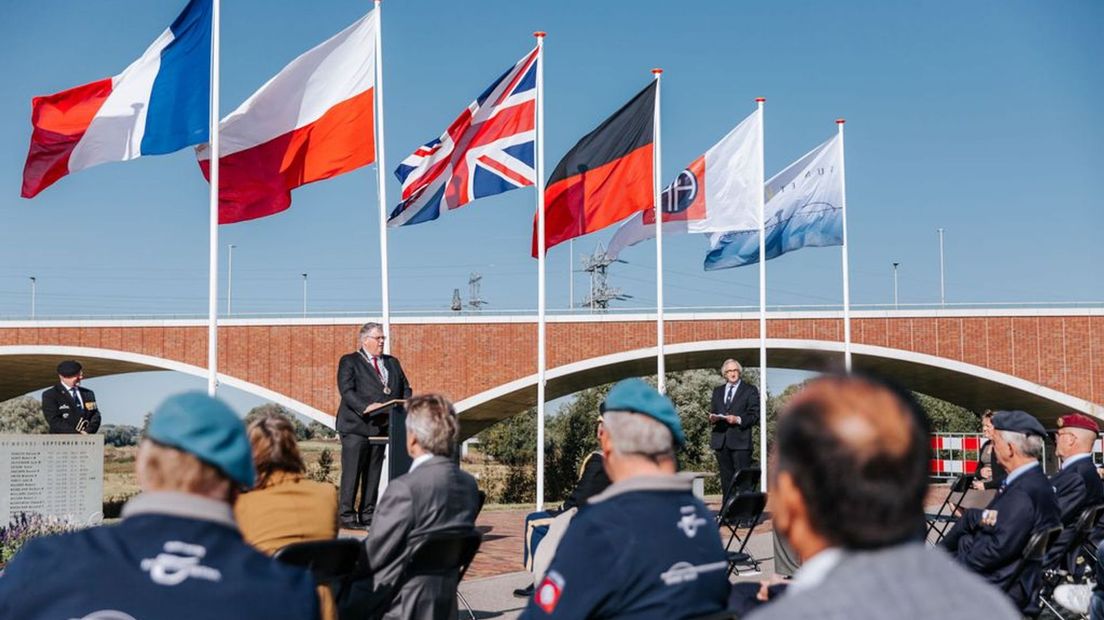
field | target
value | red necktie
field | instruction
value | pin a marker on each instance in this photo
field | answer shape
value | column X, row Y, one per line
column 375, row 362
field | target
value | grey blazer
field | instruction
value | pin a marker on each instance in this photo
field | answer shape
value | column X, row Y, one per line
column 903, row 582
column 436, row 495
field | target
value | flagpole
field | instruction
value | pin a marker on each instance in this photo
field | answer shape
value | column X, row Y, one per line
column 213, row 203
column 846, row 276
column 381, row 184
column 541, row 352
column 762, row 304
column 657, row 189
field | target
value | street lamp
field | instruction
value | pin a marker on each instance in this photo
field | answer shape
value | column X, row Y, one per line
column 34, row 294
column 229, row 276
column 304, row 294
column 942, row 291
column 895, row 285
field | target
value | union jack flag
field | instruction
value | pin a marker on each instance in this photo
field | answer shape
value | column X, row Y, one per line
column 487, row 150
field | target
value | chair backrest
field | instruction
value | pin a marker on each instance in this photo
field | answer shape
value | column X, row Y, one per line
column 745, row 508
column 1039, row 543
column 962, row 483
column 1086, row 523
column 442, row 552
column 327, row 560
column 746, row 478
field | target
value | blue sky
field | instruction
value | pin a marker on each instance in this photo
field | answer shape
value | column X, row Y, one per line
column 979, row 117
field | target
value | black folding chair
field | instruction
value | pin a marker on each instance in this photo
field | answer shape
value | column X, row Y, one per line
column 444, row 553
column 1081, row 545
column 744, row 511
column 329, row 561
column 1034, row 554
column 746, row 479
column 942, row 520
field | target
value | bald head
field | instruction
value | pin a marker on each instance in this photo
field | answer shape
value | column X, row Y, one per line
column 856, row 451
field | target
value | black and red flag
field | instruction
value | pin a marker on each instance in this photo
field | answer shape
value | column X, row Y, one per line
column 605, row 177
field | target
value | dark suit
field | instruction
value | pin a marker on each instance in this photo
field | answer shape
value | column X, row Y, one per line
column 732, row 443
column 437, row 495
column 63, row 413
column 1078, row 486
column 361, row 461
column 1025, row 506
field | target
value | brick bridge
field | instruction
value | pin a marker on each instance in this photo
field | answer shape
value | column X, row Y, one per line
column 1046, row 361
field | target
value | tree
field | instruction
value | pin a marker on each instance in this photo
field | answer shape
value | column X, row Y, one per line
column 120, row 435
column 948, row 418
column 321, row 431
column 302, row 431
column 22, row 415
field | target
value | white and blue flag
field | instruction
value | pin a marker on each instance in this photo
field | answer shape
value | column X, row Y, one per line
column 804, row 208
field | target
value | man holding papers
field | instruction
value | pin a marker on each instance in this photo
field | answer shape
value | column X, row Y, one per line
column 734, row 409
column 371, row 383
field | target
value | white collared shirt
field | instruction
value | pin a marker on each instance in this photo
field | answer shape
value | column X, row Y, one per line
column 419, row 460
column 1073, row 459
column 69, row 391
column 730, row 390
column 815, row 570
column 373, row 360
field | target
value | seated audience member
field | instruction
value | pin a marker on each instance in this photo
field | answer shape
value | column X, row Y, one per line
column 989, row 474
column 177, row 552
column 284, row 507
column 539, row 525
column 646, row 547
column 434, row 495
column 991, row 542
column 1076, row 483
column 848, row 494
column 1085, row 599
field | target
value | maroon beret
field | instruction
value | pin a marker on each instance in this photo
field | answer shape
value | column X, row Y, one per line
column 1078, row 420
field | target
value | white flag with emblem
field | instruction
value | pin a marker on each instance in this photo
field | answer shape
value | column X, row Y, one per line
column 715, row 193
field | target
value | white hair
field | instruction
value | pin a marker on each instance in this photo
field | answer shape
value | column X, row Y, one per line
column 635, row 433
column 1023, row 444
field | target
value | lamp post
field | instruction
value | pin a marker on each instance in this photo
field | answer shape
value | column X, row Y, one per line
column 895, row 265
column 304, row 295
column 942, row 291
column 34, row 294
column 229, row 276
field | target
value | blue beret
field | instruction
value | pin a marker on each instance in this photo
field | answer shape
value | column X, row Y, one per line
column 638, row 397
column 206, row 428
column 1018, row 422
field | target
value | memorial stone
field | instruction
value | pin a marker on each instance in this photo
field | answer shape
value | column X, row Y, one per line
column 52, row 475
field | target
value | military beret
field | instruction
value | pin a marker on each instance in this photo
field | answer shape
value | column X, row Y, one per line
column 69, row 368
column 1078, row 420
column 633, row 395
column 1018, row 422
column 208, row 429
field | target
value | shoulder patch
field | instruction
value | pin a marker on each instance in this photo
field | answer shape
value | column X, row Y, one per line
column 549, row 591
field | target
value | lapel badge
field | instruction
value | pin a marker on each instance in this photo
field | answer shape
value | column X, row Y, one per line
column 90, row 405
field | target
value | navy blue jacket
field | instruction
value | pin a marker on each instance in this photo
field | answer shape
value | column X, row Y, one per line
column 153, row 566
column 1078, row 487
column 1027, row 505
column 645, row 548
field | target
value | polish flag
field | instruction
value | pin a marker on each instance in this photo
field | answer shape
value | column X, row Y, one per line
column 312, row 121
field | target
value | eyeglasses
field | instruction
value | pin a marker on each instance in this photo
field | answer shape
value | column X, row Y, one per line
column 380, row 338
column 731, row 370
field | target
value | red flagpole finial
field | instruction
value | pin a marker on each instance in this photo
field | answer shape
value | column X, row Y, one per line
column 760, row 100
column 539, row 34
column 657, row 71
column 840, row 121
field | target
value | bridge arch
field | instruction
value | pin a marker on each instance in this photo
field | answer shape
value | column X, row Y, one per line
column 23, row 366
column 968, row 385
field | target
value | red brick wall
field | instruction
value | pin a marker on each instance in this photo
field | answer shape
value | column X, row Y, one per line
column 464, row 359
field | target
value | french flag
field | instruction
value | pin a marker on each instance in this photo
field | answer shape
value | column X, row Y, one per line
column 157, row 105
column 312, row 121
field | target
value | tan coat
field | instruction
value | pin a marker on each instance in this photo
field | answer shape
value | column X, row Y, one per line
column 289, row 509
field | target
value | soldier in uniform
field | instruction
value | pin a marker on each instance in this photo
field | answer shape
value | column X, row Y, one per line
column 991, row 541
column 646, row 547
column 1076, row 482
column 68, row 407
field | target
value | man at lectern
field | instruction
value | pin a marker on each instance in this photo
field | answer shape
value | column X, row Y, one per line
column 368, row 380
column 68, row 407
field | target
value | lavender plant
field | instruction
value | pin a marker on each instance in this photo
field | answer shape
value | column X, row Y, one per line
column 26, row 526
